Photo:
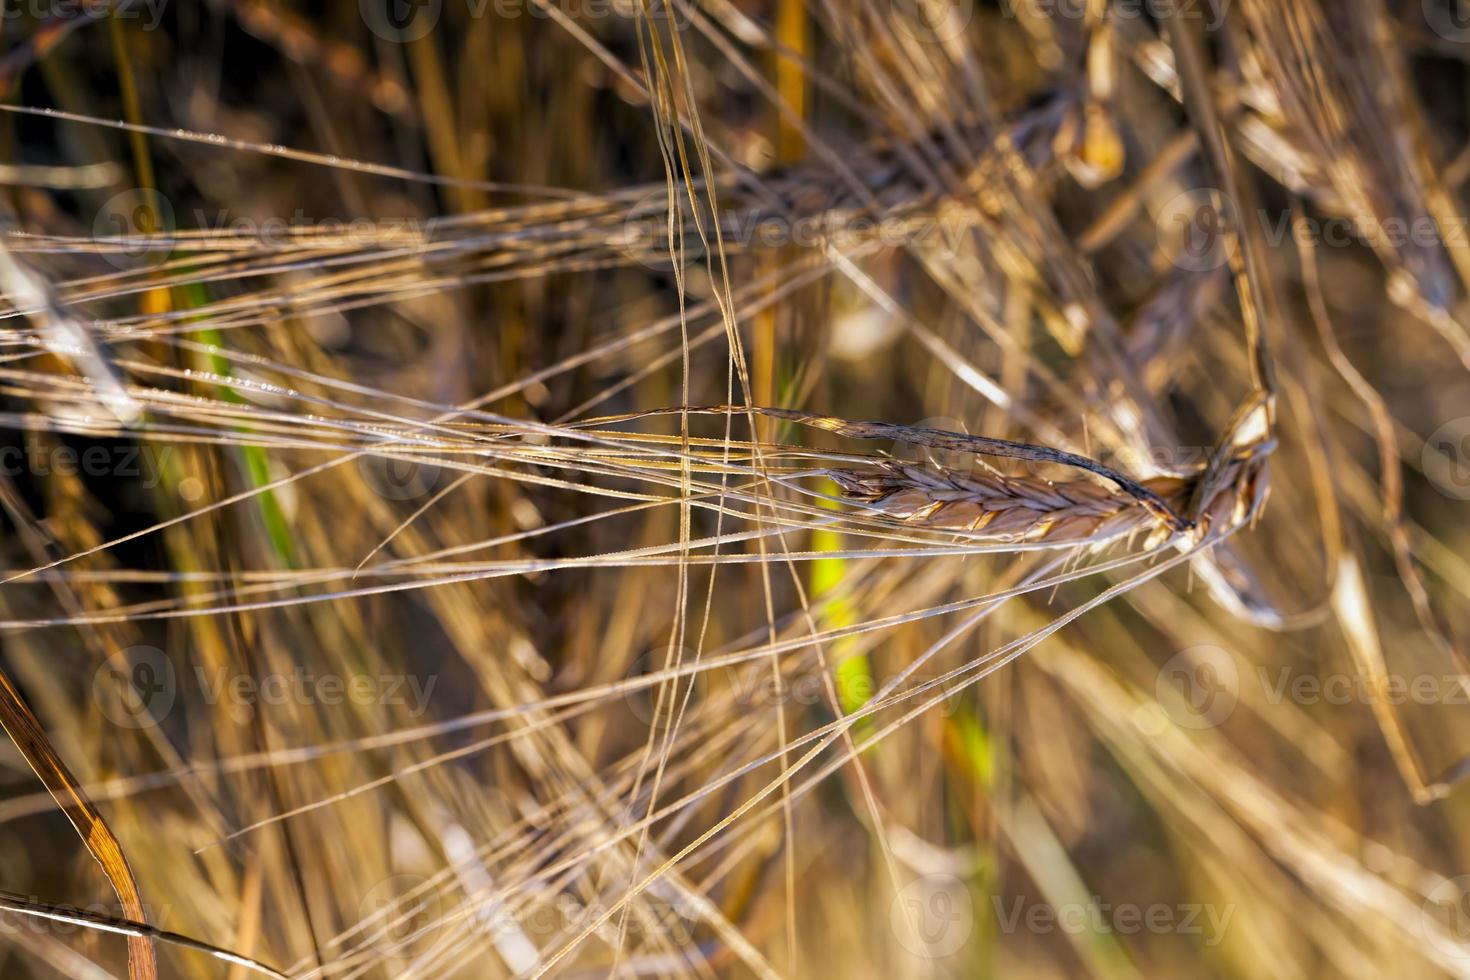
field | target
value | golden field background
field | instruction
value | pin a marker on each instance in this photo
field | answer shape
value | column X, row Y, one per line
column 374, row 604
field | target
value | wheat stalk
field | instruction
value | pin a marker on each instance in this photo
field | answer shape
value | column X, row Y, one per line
column 1068, row 512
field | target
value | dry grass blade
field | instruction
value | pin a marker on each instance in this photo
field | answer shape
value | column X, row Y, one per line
column 83, row 918
column 30, row 738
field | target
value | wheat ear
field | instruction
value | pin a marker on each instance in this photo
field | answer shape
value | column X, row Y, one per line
column 1025, row 509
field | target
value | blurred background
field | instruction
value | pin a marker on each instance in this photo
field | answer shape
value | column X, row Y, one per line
column 371, row 606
